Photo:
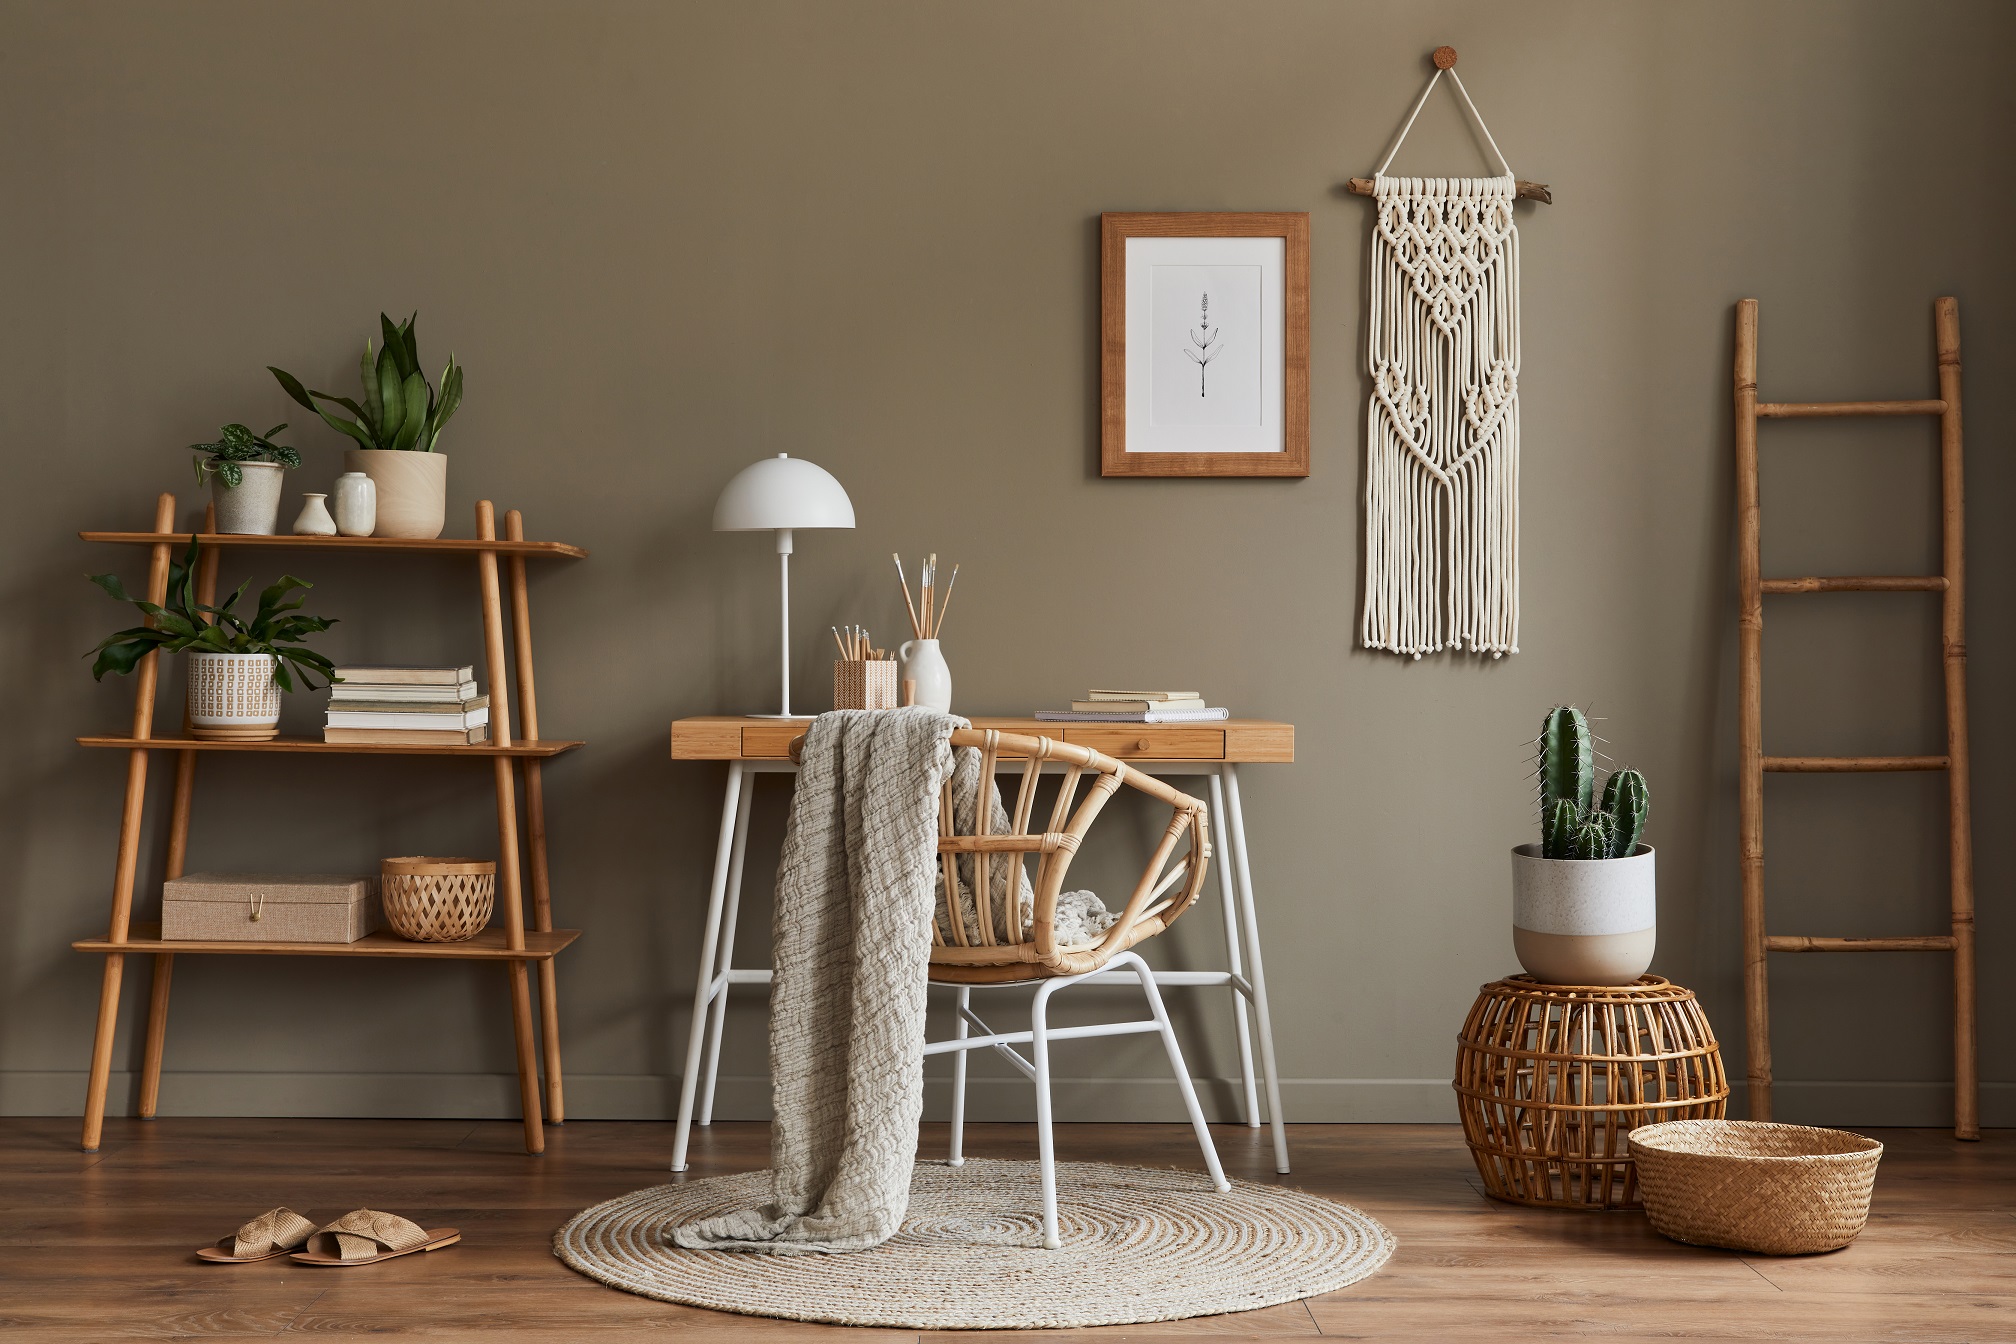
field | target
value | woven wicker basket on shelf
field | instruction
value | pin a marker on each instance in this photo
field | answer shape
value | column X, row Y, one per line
column 431, row 900
column 1752, row 1186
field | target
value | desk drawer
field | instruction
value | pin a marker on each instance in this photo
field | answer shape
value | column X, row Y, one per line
column 771, row 741
column 1151, row 742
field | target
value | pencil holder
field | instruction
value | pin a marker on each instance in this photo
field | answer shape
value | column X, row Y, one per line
column 869, row 684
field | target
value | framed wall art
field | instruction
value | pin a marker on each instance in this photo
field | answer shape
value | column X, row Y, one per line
column 1204, row 344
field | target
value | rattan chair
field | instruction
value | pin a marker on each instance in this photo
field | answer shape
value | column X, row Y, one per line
column 976, row 956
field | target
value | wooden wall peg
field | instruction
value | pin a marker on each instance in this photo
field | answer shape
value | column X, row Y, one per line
column 1445, row 58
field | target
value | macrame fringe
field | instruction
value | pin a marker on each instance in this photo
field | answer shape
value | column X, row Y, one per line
column 1442, row 425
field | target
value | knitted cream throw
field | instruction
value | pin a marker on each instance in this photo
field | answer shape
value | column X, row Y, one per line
column 852, row 931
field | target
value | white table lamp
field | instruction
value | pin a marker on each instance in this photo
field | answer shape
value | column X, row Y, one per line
column 781, row 494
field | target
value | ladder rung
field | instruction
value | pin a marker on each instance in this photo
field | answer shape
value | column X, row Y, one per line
column 1816, row 765
column 1788, row 943
column 1794, row 410
column 1903, row 583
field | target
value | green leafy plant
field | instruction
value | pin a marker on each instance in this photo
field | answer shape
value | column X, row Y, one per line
column 184, row 623
column 237, row 444
column 1573, row 825
column 400, row 410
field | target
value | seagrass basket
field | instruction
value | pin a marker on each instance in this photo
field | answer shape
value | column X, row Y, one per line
column 1552, row 1079
column 429, row 900
column 1753, row 1186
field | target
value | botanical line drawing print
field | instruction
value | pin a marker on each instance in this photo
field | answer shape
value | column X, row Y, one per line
column 1204, row 338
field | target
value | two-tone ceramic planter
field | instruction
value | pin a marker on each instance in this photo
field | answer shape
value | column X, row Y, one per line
column 1583, row 921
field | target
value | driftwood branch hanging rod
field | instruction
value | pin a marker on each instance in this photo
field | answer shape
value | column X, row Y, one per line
column 1445, row 59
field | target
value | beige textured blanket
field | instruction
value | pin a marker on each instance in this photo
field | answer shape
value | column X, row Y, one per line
column 852, row 933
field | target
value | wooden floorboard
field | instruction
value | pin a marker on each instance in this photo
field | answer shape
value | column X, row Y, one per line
column 97, row 1247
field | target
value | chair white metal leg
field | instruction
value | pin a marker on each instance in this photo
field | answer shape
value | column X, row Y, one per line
column 703, row 992
column 1046, row 1151
column 1236, row 819
column 957, row 1157
column 1176, row 1065
column 712, row 1068
column 1228, row 899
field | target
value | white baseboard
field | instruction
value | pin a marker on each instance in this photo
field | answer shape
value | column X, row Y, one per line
column 480, row 1096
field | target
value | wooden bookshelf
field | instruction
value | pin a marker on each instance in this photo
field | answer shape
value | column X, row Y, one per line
column 524, row 937
column 489, row 945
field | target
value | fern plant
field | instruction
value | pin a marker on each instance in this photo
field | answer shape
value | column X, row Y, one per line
column 400, row 410
column 1574, row 824
column 184, row 623
column 236, row 444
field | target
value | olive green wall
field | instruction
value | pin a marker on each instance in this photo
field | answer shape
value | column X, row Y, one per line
column 667, row 239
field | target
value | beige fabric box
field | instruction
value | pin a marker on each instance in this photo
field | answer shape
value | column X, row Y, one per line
column 268, row 907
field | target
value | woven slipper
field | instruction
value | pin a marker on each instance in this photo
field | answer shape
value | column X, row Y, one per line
column 366, row 1236
column 270, row 1235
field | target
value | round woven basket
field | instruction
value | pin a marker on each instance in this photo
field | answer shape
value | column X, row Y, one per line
column 437, row 900
column 1752, row 1186
column 1550, row 1079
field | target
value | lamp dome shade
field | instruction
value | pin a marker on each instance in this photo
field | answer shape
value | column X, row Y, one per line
column 779, row 492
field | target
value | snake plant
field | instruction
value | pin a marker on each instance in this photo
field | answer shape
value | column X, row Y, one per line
column 400, row 410
column 184, row 623
column 237, row 444
column 1572, row 823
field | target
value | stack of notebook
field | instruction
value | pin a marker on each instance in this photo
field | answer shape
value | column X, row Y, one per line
column 1136, row 707
column 407, row 707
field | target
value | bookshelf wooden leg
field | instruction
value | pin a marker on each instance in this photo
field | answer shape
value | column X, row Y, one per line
column 101, row 1051
column 528, row 1057
column 157, row 1034
column 542, row 920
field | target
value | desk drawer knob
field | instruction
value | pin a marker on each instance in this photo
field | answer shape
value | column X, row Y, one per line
column 1142, row 745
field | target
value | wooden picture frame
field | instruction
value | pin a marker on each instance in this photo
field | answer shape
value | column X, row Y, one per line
column 1260, row 425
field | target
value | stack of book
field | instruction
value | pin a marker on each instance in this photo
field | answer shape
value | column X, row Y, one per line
column 1136, row 707
column 407, row 707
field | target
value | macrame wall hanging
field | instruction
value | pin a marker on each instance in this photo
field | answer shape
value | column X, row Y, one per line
column 1442, row 424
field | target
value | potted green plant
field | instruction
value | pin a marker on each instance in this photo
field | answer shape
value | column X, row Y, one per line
column 244, row 471
column 238, row 666
column 1584, row 909
column 397, row 427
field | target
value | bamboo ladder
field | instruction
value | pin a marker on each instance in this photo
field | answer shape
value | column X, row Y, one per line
column 1953, row 647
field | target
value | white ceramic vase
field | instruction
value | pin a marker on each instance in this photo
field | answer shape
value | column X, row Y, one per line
column 314, row 519
column 411, row 487
column 924, row 663
column 356, row 504
column 253, row 505
column 233, row 697
column 1584, row 921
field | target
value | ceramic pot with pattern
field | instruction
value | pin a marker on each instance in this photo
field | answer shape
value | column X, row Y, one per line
column 233, row 697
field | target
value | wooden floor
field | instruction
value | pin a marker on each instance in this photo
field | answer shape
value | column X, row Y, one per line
column 97, row 1246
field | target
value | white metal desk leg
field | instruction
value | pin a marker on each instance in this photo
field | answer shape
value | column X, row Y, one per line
column 1234, row 958
column 1255, row 972
column 726, row 960
column 710, row 941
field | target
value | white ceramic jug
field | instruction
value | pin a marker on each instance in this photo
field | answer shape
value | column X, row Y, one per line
column 924, row 664
column 314, row 519
column 356, row 504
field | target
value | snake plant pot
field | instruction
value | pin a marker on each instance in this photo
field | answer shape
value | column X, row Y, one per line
column 1583, row 921
column 412, row 490
column 253, row 505
column 233, row 697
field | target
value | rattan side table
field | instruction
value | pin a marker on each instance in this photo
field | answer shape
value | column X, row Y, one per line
column 1550, row 1079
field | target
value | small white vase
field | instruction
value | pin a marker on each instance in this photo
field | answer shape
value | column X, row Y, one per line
column 1584, row 921
column 356, row 504
column 233, row 697
column 314, row 519
column 412, row 489
column 251, row 507
column 924, row 663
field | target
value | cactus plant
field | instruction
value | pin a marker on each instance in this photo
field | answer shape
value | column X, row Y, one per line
column 1628, row 800
column 1573, row 825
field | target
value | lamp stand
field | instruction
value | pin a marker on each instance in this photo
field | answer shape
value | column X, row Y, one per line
column 784, row 623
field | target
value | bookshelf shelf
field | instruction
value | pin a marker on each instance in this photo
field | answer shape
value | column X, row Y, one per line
column 522, row 942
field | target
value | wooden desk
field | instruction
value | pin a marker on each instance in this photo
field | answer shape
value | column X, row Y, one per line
column 751, row 746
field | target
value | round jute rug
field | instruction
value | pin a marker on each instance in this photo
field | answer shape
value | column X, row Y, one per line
column 1139, row 1245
